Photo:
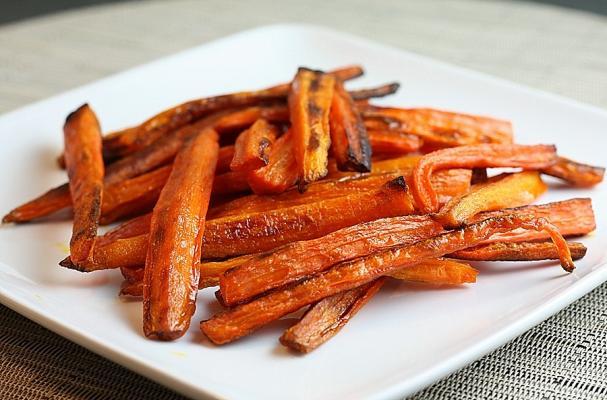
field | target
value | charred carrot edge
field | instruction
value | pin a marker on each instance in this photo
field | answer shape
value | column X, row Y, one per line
column 171, row 275
column 298, row 260
column 474, row 156
column 575, row 173
column 309, row 106
column 281, row 171
column 521, row 251
column 393, row 143
column 133, row 196
column 505, row 191
column 443, row 128
column 244, row 319
column 479, row 175
column 85, row 169
column 118, row 143
column 380, row 91
column 326, row 318
column 349, row 140
column 252, row 146
column 439, row 271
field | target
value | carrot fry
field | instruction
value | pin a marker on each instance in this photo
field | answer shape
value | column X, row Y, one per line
column 391, row 143
column 252, row 147
column 327, row 317
column 133, row 196
column 505, row 191
column 444, row 129
column 281, row 171
column 474, row 156
column 134, row 227
column 521, row 251
column 440, row 271
column 297, row 260
column 48, row 203
column 244, row 319
column 85, row 169
column 577, row 174
column 380, row 91
column 309, row 105
column 349, row 141
column 230, row 183
column 171, row 274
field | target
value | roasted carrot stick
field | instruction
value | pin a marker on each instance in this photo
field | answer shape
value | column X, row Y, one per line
column 85, row 169
column 390, row 143
column 577, row 174
column 298, row 260
column 171, row 276
column 474, row 156
column 226, row 153
column 505, row 191
column 281, row 171
column 133, row 196
column 521, row 251
column 442, row 128
column 244, row 319
column 48, row 203
column 438, row 271
column 134, row 227
column 230, row 183
column 309, row 106
column 349, row 140
column 327, row 317
column 252, row 147
column 380, row 91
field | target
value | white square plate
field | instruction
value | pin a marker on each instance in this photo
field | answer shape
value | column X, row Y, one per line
column 405, row 339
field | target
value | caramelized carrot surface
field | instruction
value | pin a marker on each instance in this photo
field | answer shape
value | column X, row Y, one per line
column 327, row 317
column 475, row 156
column 244, row 319
column 170, row 281
column 575, row 173
column 388, row 143
column 505, row 191
column 85, row 170
column 281, row 171
column 46, row 204
column 310, row 100
column 521, row 251
column 349, row 140
column 252, row 147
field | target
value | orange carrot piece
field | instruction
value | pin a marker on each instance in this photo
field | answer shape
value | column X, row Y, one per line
column 521, row 251
column 349, row 140
column 505, row 191
column 252, row 147
column 244, row 319
column 230, row 183
column 474, row 156
column 309, row 106
column 133, row 227
column 281, row 171
column 170, row 282
column 379, row 91
column 439, row 271
column 226, row 153
column 85, row 169
column 577, row 174
column 48, row 203
column 390, row 143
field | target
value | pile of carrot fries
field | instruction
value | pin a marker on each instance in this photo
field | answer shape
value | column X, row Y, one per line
column 305, row 196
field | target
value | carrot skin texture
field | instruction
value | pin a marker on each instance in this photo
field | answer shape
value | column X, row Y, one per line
column 518, row 251
column 176, row 229
column 388, row 143
column 85, row 170
column 349, row 140
column 244, row 319
column 252, row 147
column 309, row 106
column 575, row 173
column 474, row 156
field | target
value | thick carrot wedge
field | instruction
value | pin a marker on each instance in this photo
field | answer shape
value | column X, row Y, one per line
column 252, row 147
column 577, row 174
column 310, row 100
column 244, row 319
column 298, row 260
column 85, row 169
column 327, row 317
column 505, row 191
column 393, row 143
column 349, row 141
column 133, row 196
column 281, row 171
column 442, row 128
column 171, row 276
column 440, row 271
column 521, row 251
column 475, row 156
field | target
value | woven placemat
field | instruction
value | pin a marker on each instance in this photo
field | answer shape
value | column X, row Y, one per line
column 546, row 47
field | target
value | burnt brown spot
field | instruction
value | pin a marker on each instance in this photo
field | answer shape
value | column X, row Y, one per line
column 397, row 184
column 314, row 142
column 314, row 111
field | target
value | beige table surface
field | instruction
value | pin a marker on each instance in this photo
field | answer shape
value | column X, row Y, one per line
column 553, row 49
